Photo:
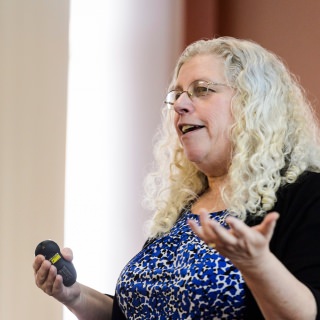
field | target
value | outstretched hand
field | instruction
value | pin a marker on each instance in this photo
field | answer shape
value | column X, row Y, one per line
column 245, row 246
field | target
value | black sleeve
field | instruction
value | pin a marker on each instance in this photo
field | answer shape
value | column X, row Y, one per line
column 296, row 239
column 116, row 311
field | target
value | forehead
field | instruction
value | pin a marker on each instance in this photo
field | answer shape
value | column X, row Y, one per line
column 202, row 67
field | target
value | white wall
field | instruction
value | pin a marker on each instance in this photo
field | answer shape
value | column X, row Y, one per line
column 33, row 100
column 121, row 57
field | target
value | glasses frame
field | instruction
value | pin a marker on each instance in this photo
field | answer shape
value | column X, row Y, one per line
column 170, row 104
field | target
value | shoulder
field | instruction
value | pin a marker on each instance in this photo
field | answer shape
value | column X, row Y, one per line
column 293, row 198
column 299, row 223
column 299, row 207
column 301, row 192
column 306, row 179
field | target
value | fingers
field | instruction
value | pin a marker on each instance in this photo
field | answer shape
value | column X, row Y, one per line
column 238, row 227
column 211, row 231
column 207, row 227
column 46, row 277
column 268, row 224
column 271, row 218
column 205, row 231
column 37, row 262
column 45, row 273
column 239, row 233
column 42, row 271
column 195, row 227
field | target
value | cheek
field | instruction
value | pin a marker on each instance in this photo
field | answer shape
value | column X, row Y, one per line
column 175, row 122
column 219, row 125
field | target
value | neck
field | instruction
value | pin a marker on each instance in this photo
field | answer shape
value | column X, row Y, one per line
column 216, row 184
column 211, row 200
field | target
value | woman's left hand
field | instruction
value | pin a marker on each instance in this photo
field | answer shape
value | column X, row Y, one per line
column 245, row 246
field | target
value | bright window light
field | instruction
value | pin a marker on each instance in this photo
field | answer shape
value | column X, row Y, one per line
column 121, row 56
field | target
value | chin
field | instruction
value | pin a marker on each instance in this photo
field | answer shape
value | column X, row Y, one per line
column 194, row 157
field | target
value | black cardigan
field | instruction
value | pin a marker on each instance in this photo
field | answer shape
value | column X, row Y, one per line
column 296, row 239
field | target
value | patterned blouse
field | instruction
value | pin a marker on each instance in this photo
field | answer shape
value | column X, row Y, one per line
column 177, row 276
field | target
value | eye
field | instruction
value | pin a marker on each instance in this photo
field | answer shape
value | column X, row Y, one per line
column 200, row 90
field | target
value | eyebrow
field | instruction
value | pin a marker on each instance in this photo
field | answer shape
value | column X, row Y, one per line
column 178, row 87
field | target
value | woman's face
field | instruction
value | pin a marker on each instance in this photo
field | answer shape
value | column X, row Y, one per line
column 203, row 123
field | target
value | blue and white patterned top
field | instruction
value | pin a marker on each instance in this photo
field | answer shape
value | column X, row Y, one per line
column 178, row 276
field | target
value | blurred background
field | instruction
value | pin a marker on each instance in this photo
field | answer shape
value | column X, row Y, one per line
column 81, row 90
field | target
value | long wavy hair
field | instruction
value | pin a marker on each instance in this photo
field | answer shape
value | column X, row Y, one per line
column 274, row 137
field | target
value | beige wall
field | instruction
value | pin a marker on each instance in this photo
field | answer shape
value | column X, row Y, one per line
column 33, row 82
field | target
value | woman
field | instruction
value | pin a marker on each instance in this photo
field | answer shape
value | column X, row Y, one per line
column 239, row 140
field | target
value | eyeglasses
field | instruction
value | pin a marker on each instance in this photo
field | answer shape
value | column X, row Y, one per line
column 196, row 89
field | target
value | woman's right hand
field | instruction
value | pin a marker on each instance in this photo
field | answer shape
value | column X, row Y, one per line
column 47, row 279
column 84, row 302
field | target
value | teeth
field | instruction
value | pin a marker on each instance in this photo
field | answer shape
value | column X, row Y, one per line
column 188, row 127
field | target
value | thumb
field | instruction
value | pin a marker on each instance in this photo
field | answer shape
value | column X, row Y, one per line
column 67, row 254
column 268, row 224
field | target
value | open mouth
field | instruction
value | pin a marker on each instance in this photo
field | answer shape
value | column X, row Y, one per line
column 188, row 128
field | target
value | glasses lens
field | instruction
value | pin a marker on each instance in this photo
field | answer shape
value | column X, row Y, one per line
column 171, row 98
column 199, row 88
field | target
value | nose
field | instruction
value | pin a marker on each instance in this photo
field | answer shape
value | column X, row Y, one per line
column 183, row 104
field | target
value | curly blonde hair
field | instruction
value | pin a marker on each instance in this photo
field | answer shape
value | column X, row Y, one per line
column 274, row 137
